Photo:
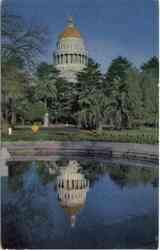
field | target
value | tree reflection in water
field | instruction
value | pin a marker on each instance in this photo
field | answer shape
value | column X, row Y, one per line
column 92, row 170
column 122, row 175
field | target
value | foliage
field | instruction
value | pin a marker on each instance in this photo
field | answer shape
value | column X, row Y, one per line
column 45, row 84
column 118, row 69
column 149, row 87
column 123, row 90
column 91, row 100
column 13, row 90
column 128, row 176
column 125, row 101
column 21, row 48
column 121, row 175
column 16, row 172
column 21, row 44
column 61, row 109
column 43, row 172
column 151, row 65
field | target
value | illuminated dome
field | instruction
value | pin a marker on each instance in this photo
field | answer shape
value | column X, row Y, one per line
column 71, row 55
column 72, row 188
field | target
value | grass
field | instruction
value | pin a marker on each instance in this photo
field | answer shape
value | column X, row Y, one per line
column 142, row 135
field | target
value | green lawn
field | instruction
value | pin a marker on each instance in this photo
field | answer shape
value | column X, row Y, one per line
column 141, row 135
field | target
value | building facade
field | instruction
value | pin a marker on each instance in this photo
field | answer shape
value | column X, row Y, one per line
column 71, row 55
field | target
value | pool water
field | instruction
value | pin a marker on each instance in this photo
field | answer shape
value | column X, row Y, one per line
column 75, row 205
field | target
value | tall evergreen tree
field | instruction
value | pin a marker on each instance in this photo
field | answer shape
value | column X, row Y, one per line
column 90, row 96
column 122, row 89
column 118, row 69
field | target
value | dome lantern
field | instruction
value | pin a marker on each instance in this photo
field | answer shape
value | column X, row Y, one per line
column 70, row 22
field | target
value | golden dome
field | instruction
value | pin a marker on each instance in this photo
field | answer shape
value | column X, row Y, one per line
column 70, row 30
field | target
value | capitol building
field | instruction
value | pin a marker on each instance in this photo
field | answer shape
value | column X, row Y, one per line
column 71, row 55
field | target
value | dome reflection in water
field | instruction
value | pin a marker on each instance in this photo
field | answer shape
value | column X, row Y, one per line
column 72, row 188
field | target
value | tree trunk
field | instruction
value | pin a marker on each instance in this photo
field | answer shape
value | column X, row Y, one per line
column 13, row 118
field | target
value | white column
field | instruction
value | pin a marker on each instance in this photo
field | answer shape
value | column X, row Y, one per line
column 70, row 184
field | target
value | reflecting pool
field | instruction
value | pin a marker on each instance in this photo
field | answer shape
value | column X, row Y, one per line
column 79, row 204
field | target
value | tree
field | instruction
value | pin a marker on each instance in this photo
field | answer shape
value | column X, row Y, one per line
column 90, row 96
column 14, row 83
column 35, row 112
column 151, row 65
column 117, row 69
column 21, row 44
column 21, row 47
column 123, row 91
column 55, row 92
column 149, row 87
column 46, row 90
column 63, row 106
column 47, row 76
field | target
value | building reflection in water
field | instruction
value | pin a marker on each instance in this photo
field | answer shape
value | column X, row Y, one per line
column 72, row 188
